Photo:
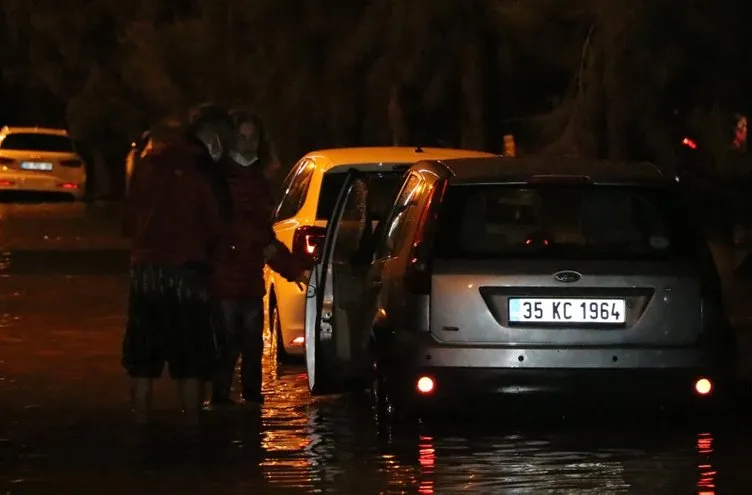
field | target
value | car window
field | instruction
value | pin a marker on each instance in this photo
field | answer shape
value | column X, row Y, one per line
column 28, row 141
column 382, row 189
column 395, row 225
column 294, row 190
column 599, row 222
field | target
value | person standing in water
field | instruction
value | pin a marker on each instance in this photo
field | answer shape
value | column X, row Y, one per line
column 174, row 216
column 247, row 244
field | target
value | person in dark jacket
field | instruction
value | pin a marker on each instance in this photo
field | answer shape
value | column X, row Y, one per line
column 248, row 243
column 173, row 214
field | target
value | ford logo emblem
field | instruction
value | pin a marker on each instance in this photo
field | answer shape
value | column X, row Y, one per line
column 567, row 276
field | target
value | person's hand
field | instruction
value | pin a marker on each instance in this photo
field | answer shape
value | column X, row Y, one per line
column 270, row 251
column 303, row 279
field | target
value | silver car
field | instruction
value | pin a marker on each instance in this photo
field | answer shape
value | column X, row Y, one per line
column 499, row 277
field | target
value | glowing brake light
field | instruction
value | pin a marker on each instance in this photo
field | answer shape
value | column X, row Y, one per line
column 529, row 242
column 425, row 385
column 308, row 240
column 703, row 386
column 689, row 143
column 69, row 185
column 6, row 183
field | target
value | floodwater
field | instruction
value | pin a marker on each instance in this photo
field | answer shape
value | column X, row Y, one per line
column 65, row 429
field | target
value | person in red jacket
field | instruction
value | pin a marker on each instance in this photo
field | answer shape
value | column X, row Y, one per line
column 173, row 214
column 248, row 243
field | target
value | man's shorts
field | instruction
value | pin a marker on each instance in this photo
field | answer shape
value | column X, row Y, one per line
column 169, row 321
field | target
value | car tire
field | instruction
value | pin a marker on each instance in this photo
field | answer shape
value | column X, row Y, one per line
column 388, row 410
column 277, row 343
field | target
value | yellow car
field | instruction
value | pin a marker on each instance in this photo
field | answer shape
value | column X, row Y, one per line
column 300, row 218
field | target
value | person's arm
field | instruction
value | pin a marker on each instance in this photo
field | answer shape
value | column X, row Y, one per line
column 208, row 209
column 134, row 198
column 291, row 266
column 277, row 255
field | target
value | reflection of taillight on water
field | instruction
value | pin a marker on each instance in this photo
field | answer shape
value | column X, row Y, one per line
column 689, row 143
column 308, row 240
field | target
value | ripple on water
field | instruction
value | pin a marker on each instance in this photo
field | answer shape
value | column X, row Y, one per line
column 297, row 442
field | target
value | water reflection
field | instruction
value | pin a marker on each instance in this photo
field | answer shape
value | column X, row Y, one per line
column 334, row 444
column 427, row 461
column 61, row 324
column 706, row 483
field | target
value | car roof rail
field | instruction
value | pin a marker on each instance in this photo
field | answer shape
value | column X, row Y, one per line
column 560, row 179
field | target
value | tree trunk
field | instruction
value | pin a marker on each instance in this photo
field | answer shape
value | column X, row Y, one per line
column 102, row 176
column 472, row 123
column 397, row 123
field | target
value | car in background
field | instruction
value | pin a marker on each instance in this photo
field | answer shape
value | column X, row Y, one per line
column 40, row 160
column 509, row 278
column 300, row 218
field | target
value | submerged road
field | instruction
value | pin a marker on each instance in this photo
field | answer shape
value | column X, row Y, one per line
column 65, row 428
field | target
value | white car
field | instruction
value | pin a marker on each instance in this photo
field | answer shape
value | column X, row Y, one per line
column 308, row 196
column 36, row 159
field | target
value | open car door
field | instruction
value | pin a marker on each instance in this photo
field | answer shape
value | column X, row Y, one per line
column 336, row 321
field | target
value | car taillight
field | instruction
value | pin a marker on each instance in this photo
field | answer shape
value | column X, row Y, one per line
column 308, row 240
column 419, row 265
column 71, row 163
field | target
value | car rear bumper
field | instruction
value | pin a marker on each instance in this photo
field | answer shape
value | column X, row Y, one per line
column 46, row 184
column 461, row 374
column 463, row 386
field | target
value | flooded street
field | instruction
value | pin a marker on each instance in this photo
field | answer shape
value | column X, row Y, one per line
column 65, row 428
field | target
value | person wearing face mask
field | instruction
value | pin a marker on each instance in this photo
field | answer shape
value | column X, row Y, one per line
column 248, row 243
column 174, row 215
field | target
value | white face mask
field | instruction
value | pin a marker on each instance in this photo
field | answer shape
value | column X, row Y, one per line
column 241, row 160
column 215, row 152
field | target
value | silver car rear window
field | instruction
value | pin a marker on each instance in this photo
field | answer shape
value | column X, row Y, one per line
column 553, row 221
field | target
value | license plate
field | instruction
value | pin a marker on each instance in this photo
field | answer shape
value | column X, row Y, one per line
column 548, row 310
column 36, row 165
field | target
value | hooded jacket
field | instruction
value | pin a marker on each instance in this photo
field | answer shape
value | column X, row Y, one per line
column 172, row 212
column 239, row 257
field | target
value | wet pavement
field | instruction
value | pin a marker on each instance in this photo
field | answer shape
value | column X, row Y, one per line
column 65, row 428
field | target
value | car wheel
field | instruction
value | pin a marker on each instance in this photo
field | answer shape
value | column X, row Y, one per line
column 277, row 343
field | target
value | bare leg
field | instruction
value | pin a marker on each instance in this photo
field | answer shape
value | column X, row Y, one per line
column 141, row 396
column 191, row 396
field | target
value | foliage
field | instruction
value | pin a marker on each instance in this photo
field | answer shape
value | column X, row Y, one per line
column 593, row 77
